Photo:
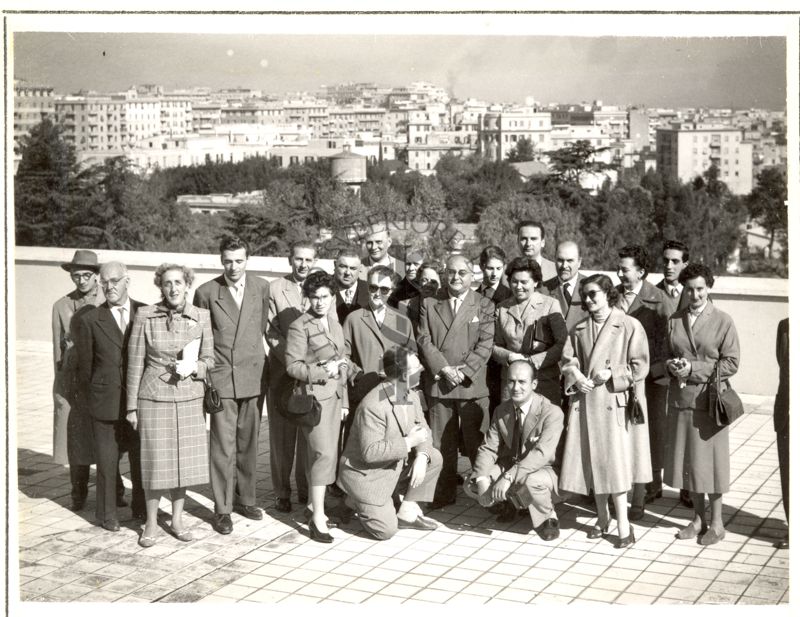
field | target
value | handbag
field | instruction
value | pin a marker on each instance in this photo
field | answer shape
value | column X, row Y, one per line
column 633, row 409
column 301, row 407
column 723, row 407
column 212, row 403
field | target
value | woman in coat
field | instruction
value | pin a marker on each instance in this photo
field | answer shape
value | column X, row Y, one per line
column 170, row 351
column 697, row 456
column 315, row 356
column 606, row 354
column 529, row 327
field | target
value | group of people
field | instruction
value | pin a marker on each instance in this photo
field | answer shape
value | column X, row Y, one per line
column 550, row 382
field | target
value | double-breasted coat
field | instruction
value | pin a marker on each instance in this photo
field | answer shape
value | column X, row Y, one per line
column 697, row 452
column 572, row 311
column 72, row 434
column 603, row 451
column 518, row 327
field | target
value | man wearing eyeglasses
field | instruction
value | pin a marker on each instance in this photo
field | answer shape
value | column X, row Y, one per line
column 101, row 343
column 456, row 331
column 72, row 434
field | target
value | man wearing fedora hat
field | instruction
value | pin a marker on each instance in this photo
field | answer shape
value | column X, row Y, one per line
column 72, row 435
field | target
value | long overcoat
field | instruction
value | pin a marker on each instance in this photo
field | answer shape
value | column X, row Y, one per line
column 603, row 451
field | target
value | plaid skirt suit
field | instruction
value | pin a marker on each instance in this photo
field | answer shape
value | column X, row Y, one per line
column 174, row 444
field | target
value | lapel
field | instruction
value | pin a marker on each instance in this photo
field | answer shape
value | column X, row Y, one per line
column 291, row 293
column 531, row 420
column 369, row 321
column 519, row 312
column 575, row 300
column 400, row 417
column 226, row 302
column 107, row 323
column 249, row 301
column 465, row 312
column 610, row 330
column 442, row 308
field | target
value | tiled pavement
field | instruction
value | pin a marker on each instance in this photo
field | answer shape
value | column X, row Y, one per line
column 469, row 559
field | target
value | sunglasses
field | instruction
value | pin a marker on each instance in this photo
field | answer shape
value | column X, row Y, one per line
column 385, row 291
column 591, row 294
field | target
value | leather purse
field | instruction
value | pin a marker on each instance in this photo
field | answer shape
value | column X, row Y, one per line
column 724, row 407
column 301, row 407
column 633, row 409
column 212, row 403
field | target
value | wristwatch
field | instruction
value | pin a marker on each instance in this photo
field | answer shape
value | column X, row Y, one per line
column 509, row 477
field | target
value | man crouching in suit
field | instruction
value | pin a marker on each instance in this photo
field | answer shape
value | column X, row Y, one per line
column 516, row 458
column 390, row 452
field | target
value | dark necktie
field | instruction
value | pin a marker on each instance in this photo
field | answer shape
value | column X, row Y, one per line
column 567, row 295
column 516, row 442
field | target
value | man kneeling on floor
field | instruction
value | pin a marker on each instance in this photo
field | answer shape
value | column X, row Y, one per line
column 515, row 461
column 389, row 451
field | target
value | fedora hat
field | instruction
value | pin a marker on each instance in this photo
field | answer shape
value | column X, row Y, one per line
column 82, row 260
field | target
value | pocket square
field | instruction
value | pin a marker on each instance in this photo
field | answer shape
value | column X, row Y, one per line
column 475, row 319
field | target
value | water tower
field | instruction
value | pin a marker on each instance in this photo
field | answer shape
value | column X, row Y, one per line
column 349, row 168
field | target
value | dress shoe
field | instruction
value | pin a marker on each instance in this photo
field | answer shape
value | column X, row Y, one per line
column 438, row 504
column 77, row 505
column 598, row 532
column 251, row 512
column 283, row 504
column 685, row 498
column 628, row 540
column 121, row 501
column 712, row 537
column 317, row 535
column 636, row 513
column 222, row 524
column 689, row 532
column 308, row 514
column 651, row 497
column 549, row 530
column 783, row 544
column 111, row 524
column 422, row 523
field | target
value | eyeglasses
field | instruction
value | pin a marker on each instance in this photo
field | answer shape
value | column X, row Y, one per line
column 459, row 273
column 592, row 293
column 85, row 276
column 111, row 282
column 385, row 291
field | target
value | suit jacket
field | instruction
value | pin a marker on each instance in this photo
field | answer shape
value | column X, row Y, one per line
column 239, row 358
column 517, row 328
column 307, row 345
column 360, row 300
column 781, row 409
column 285, row 305
column 548, row 269
column 712, row 339
column 154, row 347
column 365, row 343
column 672, row 304
column 572, row 312
column 465, row 341
column 63, row 310
column 503, row 292
column 540, row 434
column 102, row 360
column 376, row 452
column 648, row 307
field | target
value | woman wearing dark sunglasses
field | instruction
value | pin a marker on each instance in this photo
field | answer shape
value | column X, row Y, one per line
column 605, row 359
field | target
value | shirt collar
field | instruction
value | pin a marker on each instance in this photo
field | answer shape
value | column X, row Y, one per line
column 126, row 305
column 637, row 289
column 697, row 312
column 525, row 407
column 239, row 284
column 571, row 282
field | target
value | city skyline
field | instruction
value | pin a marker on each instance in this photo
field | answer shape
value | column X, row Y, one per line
column 737, row 72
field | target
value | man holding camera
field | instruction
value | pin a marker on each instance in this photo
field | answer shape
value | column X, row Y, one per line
column 515, row 461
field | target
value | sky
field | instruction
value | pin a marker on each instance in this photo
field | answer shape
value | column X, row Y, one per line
column 740, row 72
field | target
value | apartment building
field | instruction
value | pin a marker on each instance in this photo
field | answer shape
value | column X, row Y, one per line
column 501, row 130
column 32, row 103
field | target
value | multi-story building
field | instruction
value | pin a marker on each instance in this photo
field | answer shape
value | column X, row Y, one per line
column 252, row 112
column 176, row 116
column 685, row 151
column 425, row 154
column 349, row 120
column 32, row 103
column 309, row 112
column 501, row 130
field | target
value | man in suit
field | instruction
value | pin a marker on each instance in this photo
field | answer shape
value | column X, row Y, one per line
column 519, row 450
column 640, row 299
column 101, row 343
column 492, row 262
column 781, row 418
column 675, row 256
column 377, row 243
column 351, row 291
column 390, row 453
column 408, row 286
column 286, row 441
column 456, row 334
column 565, row 287
column 238, row 303
column 530, row 235
column 72, row 433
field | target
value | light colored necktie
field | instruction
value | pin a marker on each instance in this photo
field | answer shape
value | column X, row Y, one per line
column 348, row 296
column 237, row 295
column 454, row 304
column 675, row 293
column 123, row 322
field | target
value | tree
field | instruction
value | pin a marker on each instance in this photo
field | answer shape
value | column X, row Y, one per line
column 570, row 163
column 766, row 203
column 522, row 152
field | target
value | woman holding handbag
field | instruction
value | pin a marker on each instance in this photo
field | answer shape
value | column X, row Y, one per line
column 171, row 349
column 607, row 447
column 529, row 326
column 315, row 357
column 702, row 340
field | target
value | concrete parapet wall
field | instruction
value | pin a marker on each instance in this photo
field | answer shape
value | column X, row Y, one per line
column 756, row 305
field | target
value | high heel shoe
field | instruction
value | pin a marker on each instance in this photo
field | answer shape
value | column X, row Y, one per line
column 597, row 532
column 317, row 535
column 627, row 541
column 307, row 514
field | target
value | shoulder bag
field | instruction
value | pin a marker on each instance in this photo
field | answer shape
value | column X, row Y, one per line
column 724, row 407
column 301, row 407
